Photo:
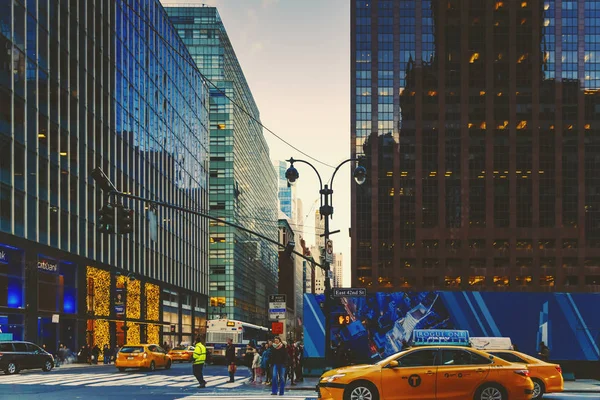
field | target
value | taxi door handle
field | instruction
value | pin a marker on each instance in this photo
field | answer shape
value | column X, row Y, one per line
column 429, row 372
column 480, row 370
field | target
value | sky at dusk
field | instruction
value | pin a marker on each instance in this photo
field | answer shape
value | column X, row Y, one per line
column 295, row 55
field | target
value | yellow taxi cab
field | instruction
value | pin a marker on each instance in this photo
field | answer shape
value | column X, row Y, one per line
column 546, row 377
column 182, row 353
column 146, row 356
column 448, row 372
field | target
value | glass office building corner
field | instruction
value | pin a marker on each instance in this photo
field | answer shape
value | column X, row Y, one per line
column 243, row 182
column 86, row 85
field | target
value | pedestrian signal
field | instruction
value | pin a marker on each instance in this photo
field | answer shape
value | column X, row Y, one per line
column 343, row 319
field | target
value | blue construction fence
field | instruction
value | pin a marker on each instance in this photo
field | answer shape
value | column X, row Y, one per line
column 366, row 329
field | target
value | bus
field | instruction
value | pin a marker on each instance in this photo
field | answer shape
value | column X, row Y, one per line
column 241, row 333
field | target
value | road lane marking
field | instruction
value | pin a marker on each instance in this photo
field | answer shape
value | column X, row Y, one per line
column 112, row 378
column 237, row 383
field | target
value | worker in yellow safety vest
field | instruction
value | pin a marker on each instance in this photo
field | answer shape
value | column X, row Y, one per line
column 199, row 360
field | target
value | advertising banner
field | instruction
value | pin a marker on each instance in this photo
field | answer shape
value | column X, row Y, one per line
column 569, row 323
column 120, row 299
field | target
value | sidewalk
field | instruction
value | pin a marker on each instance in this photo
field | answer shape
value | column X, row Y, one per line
column 578, row 386
column 583, row 386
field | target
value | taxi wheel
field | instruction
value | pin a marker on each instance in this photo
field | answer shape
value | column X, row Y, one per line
column 361, row 391
column 152, row 367
column 490, row 392
column 168, row 366
column 538, row 389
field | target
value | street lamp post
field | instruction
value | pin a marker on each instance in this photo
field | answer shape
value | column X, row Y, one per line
column 326, row 211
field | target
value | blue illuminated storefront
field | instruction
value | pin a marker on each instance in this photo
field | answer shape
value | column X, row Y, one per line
column 34, row 286
column 11, row 291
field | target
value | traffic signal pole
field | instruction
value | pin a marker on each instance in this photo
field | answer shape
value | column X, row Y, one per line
column 112, row 191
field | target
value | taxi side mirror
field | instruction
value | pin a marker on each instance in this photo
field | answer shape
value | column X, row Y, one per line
column 394, row 364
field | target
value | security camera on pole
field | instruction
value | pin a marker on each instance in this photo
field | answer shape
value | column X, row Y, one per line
column 326, row 211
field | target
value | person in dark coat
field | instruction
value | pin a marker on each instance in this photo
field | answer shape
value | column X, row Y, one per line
column 266, row 362
column 248, row 358
column 544, row 352
column 83, row 355
column 299, row 362
column 230, row 359
column 95, row 354
column 106, row 354
column 291, row 363
column 279, row 357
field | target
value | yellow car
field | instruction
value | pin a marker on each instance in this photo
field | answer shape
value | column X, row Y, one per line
column 182, row 353
column 146, row 356
column 432, row 372
column 546, row 377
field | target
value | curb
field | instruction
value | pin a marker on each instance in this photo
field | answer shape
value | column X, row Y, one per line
column 581, row 391
column 77, row 366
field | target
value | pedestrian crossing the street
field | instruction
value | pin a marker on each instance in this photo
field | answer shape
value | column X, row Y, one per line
column 119, row 379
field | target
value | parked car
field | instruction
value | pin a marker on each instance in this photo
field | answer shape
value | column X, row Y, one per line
column 142, row 356
column 16, row 356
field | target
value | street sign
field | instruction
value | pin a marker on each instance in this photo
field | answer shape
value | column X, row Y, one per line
column 349, row 292
column 277, row 298
column 277, row 307
column 277, row 328
column 329, row 251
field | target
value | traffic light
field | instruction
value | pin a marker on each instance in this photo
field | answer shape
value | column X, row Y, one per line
column 106, row 220
column 125, row 220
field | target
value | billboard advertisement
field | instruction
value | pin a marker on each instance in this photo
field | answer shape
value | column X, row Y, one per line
column 375, row 326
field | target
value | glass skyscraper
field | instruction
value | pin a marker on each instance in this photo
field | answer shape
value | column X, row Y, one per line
column 243, row 182
column 99, row 84
column 480, row 125
column 285, row 190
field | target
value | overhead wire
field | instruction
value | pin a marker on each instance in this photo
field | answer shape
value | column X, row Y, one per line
column 207, row 80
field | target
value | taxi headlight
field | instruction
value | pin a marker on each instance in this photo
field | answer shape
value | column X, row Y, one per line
column 333, row 377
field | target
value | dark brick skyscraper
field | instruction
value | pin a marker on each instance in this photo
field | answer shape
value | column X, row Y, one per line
column 480, row 121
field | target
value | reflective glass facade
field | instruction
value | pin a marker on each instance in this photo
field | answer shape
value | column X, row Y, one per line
column 243, row 182
column 285, row 191
column 87, row 84
column 479, row 122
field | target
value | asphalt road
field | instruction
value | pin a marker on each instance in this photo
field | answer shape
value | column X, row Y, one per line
column 100, row 382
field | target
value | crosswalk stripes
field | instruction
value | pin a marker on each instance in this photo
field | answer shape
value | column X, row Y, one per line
column 118, row 379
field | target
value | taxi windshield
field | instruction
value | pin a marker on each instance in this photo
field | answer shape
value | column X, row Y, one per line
column 179, row 348
column 132, row 349
column 390, row 358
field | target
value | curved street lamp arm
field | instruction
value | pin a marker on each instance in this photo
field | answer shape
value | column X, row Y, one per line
column 338, row 167
column 292, row 161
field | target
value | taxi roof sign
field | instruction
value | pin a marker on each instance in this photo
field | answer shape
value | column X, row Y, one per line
column 491, row 343
column 436, row 337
